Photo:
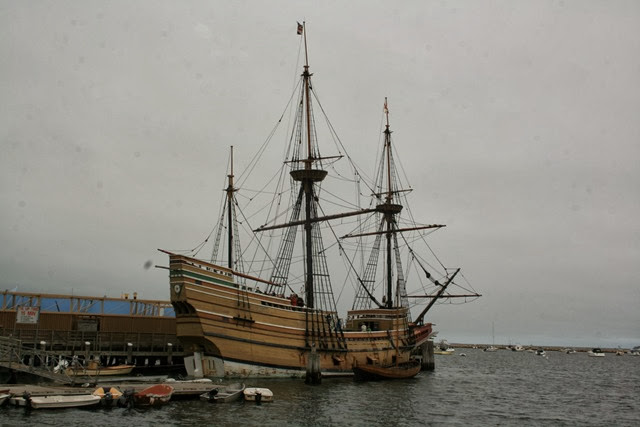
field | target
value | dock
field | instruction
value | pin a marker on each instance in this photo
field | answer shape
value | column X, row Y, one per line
column 41, row 331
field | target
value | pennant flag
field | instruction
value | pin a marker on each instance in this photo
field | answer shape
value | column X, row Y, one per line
column 300, row 28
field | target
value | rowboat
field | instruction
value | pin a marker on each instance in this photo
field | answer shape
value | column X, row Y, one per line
column 230, row 393
column 93, row 369
column 155, row 395
column 225, row 394
column 257, row 394
column 56, row 401
column 4, row 396
column 393, row 372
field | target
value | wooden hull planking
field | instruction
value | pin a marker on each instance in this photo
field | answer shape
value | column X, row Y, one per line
column 243, row 333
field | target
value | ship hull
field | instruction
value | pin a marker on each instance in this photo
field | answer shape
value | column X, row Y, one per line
column 235, row 331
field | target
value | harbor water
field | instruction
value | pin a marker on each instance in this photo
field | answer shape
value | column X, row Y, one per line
column 482, row 388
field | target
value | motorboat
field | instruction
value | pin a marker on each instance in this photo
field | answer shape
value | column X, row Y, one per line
column 444, row 348
column 596, row 352
column 541, row 352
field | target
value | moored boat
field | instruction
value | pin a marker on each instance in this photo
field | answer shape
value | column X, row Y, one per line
column 95, row 369
column 155, row 395
column 374, row 372
column 55, row 401
column 109, row 396
column 257, row 394
column 238, row 324
column 443, row 348
column 541, row 352
column 596, row 352
column 224, row 394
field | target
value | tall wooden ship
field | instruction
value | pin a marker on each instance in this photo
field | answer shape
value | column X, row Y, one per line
column 241, row 324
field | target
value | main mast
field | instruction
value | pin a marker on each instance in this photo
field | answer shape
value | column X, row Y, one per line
column 230, row 191
column 388, row 208
column 307, row 177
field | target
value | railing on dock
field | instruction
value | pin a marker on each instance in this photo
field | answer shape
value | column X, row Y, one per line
column 38, row 352
column 17, row 356
column 111, row 343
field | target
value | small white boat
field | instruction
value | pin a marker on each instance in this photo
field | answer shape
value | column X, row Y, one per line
column 541, row 352
column 491, row 348
column 596, row 352
column 56, row 401
column 256, row 394
column 443, row 348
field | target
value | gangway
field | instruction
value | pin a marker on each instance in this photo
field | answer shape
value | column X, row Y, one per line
column 43, row 363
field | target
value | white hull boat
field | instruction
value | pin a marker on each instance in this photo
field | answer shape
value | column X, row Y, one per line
column 56, row 402
column 254, row 394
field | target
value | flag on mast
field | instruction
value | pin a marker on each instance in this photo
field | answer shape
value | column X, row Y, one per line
column 300, row 28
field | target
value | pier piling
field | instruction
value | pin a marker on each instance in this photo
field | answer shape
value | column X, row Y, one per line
column 314, row 375
column 428, row 361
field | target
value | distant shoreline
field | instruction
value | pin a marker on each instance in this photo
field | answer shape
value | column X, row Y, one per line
column 535, row 347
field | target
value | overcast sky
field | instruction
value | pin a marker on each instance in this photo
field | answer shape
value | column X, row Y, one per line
column 516, row 122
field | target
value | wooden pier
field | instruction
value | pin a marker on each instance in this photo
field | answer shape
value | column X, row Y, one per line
column 39, row 331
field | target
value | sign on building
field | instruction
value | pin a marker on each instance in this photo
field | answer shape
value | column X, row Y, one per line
column 27, row 314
